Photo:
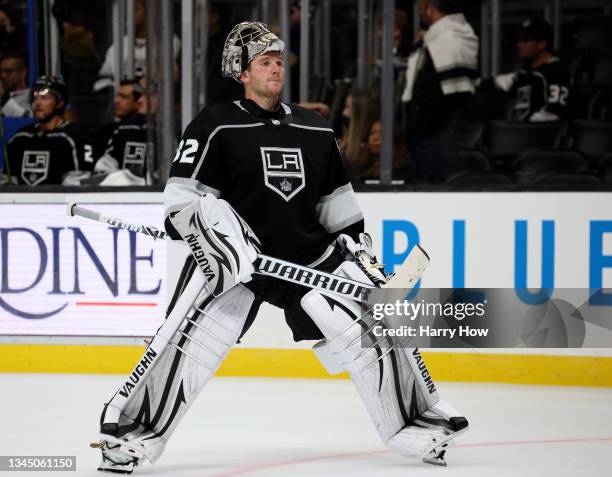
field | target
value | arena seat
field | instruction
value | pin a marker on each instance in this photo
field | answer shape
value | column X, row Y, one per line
column 562, row 181
column 477, row 180
column 529, row 166
column 468, row 134
column 605, row 168
column 593, row 138
column 508, row 139
column 474, row 160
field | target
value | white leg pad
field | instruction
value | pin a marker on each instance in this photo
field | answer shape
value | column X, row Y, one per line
column 149, row 405
column 324, row 353
column 392, row 382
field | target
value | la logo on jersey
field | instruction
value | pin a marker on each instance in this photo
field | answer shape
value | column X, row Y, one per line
column 283, row 170
column 134, row 153
column 35, row 167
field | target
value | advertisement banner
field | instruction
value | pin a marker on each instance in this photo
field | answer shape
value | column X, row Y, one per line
column 72, row 277
column 69, row 276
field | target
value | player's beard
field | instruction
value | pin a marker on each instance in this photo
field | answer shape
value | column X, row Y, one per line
column 47, row 117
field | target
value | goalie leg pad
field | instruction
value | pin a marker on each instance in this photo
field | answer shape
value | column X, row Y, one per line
column 181, row 359
column 325, row 355
column 389, row 379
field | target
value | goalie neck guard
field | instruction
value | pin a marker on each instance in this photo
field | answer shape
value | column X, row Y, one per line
column 246, row 41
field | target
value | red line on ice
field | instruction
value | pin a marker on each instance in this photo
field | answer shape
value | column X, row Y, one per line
column 259, row 467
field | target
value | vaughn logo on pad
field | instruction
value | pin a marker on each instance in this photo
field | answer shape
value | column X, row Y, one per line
column 283, row 170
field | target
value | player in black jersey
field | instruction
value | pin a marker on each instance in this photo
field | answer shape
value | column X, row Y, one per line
column 541, row 87
column 126, row 148
column 51, row 151
column 261, row 176
column 125, row 104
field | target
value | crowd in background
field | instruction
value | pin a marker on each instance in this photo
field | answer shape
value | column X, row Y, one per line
column 451, row 125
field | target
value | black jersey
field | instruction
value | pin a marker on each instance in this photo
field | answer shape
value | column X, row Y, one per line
column 542, row 93
column 282, row 171
column 49, row 157
column 126, row 148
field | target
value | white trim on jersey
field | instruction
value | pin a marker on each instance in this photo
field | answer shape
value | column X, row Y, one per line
column 16, row 135
column 339, row 209
column 462, row 84
column 312, row 128
column 181, row 192
column 106, row 164
column 328, row 251
column 201, row 188
column 216, row 130
column 237, row 103
column 59, row 134
column 286, row 108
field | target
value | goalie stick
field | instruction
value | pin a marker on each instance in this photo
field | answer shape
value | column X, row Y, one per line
column 396, row 289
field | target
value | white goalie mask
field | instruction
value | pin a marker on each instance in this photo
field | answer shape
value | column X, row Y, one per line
column 246, row 41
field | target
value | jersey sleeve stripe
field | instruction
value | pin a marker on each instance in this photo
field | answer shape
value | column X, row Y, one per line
column 339, row 209
column 202, row 188
column 457, row 85
column 180, row 192
column 340, row 190
column 345, row 223
column 212, row 135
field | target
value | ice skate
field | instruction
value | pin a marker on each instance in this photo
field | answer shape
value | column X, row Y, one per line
column 436, row 457
column 114, row 459
column 454, row 427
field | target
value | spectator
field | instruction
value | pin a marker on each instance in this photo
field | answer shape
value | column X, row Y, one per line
column 107, row 71
column 317, row 107
column 15, row 101
column 124, row 160
column 438, row 88
column 11, row 31
column 367, row 167
column 293, row 56
column 363, row 109
column 51, row 151
column 77, row 40
column 541, row 87
column 125, row 104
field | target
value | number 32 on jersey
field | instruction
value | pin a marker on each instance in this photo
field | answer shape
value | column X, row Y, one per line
column 186, row 151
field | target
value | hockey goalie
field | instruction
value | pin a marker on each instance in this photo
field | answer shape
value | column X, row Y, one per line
column 261, row 176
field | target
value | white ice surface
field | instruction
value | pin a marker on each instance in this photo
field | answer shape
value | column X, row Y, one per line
column 280, row 427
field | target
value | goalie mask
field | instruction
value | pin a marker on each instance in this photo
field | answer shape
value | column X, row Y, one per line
column 246, row 41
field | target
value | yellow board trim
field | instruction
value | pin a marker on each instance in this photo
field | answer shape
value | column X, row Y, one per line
column 302, row 363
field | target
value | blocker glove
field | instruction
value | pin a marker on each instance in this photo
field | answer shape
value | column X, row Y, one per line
column 361, row 253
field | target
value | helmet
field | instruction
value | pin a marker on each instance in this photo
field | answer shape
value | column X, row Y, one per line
column 246, row 41
column 54, row 84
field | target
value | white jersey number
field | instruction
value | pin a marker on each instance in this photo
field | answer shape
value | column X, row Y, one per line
column 186, row 151
column 88, row 153
column 557, row 94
